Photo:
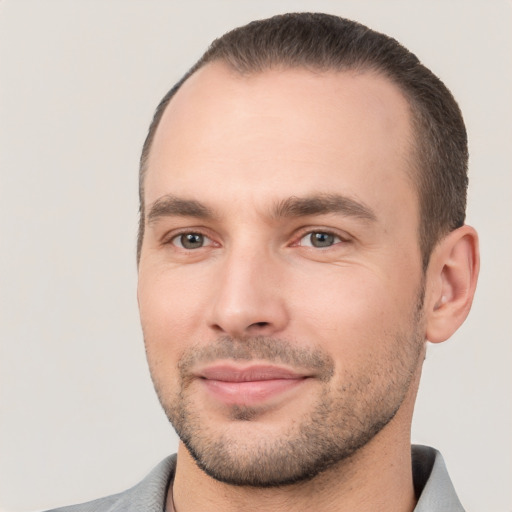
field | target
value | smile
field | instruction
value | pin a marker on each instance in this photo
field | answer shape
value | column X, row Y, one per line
column 248, row 386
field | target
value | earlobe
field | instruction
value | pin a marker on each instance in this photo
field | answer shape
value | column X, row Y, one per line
column 451, row 281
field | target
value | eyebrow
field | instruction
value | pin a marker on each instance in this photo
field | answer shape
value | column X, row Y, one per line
column 323, row 204
column 169, row 206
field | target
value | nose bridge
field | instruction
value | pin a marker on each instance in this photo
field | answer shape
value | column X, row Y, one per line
column 249, row 299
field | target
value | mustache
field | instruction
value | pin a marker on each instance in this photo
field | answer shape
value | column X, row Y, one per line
column 272, row 350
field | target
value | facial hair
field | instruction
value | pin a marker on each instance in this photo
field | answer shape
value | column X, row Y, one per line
column 348, row 411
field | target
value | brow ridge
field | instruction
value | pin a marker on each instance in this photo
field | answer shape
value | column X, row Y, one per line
column 170, row 205
column 294, row 206
column 322, row 204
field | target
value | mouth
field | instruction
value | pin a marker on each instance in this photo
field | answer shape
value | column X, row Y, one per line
column 249, row 385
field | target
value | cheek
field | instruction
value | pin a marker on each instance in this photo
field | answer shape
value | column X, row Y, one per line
column 167, row 321
column 352, row 312
column 169, row 308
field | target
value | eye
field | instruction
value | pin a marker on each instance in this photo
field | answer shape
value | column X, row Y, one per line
column 319, row 239
column 191, row 241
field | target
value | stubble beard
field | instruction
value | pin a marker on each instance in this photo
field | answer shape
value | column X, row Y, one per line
column 342, row 421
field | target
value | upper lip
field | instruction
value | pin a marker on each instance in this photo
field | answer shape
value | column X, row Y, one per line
column 258, row 372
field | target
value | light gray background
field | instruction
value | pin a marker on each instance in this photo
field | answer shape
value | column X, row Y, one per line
column 79, row 81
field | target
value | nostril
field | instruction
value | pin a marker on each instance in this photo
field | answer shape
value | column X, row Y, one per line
column 260, row 324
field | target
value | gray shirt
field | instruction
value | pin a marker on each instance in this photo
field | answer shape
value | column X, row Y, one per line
column 431, row 482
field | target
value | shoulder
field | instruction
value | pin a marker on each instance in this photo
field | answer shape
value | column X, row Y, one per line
column 148, row 495
column 432, row 483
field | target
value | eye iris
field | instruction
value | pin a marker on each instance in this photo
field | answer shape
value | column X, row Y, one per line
column 192, row 240
column 322, row 239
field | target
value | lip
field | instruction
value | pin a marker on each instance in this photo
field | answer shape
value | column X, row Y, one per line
column 249, row 385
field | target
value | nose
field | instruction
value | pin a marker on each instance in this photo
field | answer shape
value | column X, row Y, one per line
column 249, row 299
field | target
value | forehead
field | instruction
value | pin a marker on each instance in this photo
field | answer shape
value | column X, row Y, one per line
column 281, row 128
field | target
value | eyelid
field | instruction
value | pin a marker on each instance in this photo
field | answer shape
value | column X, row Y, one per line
column 343, row 236
column 172, row 235
column 207, row 241
column 341, row 239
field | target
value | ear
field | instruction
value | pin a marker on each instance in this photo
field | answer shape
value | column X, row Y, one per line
column 451, row 281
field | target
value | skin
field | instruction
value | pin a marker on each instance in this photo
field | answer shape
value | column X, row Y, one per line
column 240, row 147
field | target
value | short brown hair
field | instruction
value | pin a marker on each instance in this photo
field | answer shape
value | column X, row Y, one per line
column 325, row 42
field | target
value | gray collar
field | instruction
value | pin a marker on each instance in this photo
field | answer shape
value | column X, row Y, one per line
column 431, row 482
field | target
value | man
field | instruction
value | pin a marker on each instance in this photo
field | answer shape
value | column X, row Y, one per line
column 301, row 238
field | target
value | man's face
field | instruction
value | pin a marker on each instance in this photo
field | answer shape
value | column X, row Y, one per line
column 280, row 280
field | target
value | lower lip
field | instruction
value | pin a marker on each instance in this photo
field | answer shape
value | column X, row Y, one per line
column 250, row 392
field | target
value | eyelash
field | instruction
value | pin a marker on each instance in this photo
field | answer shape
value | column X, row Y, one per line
column 170, row 240
column 323, row 231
